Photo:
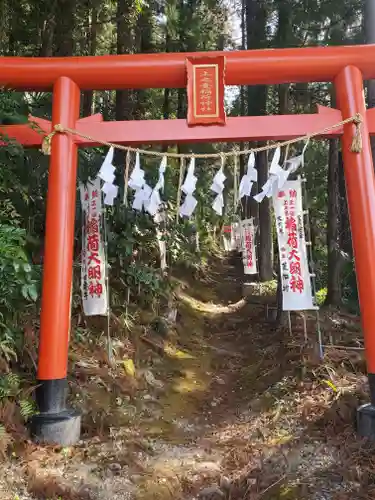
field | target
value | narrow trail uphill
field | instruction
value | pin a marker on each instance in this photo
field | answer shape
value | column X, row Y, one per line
column 227, row 406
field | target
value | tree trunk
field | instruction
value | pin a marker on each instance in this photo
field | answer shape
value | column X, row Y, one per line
column 125, row 21
column 243, row 103
column 12, row 29
column 265, row 252
column 167, row 92
column 145, row 45
column 334, row 260
column 345, row 230
column 256, row 22
column 88, row 95
column 47, row 34
column 64, row 29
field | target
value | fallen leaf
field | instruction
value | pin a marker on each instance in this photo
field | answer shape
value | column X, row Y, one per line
column 129, row 367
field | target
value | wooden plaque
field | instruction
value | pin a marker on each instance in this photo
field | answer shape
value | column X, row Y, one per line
column 205, row 90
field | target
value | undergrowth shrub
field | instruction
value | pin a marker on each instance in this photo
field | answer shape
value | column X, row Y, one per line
column 19, row 288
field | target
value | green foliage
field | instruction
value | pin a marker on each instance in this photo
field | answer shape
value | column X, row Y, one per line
column 11, row 389
column 321, row 296
column 9, row 386
column 18, row 278
column 19, row 286
column 27, row 408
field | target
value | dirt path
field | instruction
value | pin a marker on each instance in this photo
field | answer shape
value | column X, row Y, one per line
column 236, row 411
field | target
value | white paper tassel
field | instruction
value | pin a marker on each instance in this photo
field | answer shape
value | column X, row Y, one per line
column 190, row 182
column 249, row 178
column 107, row 170
column 137, row 177
column 155, row 199
column 107, row 174
column 188, row 187
column 142, row 198
column 278, row 175
column 188, row 206
column 217, row 187
column 275, row 161
column 138, row 183
column 218, row 204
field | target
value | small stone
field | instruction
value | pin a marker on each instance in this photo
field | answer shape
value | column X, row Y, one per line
column 211, row 493
column 225, row 483
column 208, row 467
column 135, row 478
column 115, row 468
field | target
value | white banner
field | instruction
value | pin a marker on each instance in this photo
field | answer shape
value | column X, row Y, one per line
column 227, row 241
column 236, row 236
column 232, row 237
column 295, row 275
column 93, row 279
column 248, row 246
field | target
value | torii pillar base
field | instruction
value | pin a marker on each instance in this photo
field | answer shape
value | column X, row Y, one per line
column 62, row 428
column 366, row 421
column 55, row 423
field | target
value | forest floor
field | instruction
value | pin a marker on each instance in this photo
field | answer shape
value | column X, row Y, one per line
column 223, row 406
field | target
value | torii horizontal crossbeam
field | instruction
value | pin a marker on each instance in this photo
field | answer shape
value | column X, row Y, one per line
column 246, row 67
column 255, row 128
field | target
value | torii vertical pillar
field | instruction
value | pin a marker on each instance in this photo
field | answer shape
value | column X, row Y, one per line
column 55, row 423
column 360, row 186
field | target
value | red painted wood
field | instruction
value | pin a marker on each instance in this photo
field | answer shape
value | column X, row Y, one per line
column 360, row 187
column 236, row 129
column 278, row 127
column 58, row 257
column 246, row 67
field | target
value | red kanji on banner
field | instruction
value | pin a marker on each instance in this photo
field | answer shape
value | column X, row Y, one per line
column 296, row 284
column 93, row 257
column 295, row 268
column 95, row 289
column 292, row 240
column 293, row 254
column 93, row 243
column 92, row 226
column 291, row 224
column 95, row 272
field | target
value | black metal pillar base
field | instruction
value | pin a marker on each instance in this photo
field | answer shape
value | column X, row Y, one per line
column 55, row 424
column 366, row 421
column 62, row 428
column 366, row 413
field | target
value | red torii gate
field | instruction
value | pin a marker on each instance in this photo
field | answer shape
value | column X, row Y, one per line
column 347, row 67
